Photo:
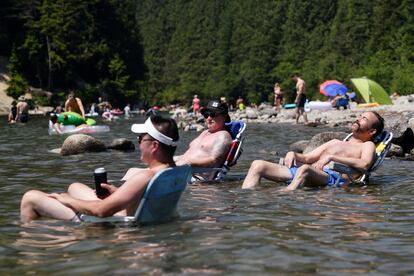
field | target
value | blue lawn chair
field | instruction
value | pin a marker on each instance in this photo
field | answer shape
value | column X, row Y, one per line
column 160, row 200
column 382, row 145
column 236, row 130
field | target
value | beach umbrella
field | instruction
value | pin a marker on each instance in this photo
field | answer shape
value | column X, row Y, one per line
column 371, row 91
column 332, row 88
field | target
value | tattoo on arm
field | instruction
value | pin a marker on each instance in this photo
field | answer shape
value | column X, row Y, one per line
column 221, row 146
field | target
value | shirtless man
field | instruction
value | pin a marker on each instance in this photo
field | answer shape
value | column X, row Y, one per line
column 22, row 110
column 74, row 104
column 210, row 147
column 308, row 169
column 300, row 98
column 157, row 141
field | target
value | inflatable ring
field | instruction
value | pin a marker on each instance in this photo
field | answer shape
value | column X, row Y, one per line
column 315, row 105
column 289, row 106
column 73, row 118
column 70, row 129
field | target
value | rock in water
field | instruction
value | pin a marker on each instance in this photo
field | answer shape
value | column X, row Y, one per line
column 122, row 144
column 322, row 138
column 80, row 143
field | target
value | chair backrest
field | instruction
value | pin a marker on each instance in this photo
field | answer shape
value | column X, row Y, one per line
column 382, row 146
column 160, row 200
column 236, row 130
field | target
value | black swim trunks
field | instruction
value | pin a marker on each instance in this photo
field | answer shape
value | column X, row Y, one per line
column 302, row 100
column 24, row 117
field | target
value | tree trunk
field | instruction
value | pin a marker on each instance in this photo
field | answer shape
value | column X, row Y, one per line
column 49, row 81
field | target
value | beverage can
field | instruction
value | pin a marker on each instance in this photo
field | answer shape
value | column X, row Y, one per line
column 100, row 177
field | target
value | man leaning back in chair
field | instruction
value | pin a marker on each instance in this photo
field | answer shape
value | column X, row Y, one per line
column 157, row 142
column 309, row 169
column 210, row 147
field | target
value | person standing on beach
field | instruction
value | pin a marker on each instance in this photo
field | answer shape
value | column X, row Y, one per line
column 196, row 105
column 74, row 104
column 300, row 98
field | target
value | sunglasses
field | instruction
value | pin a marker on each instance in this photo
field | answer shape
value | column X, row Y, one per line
column 212, row 114
column 141, row 139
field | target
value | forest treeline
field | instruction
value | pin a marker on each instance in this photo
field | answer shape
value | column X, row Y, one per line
column 161, row 51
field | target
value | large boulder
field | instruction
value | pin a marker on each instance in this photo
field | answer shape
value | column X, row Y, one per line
column 299, row 146
column 406, row 140
column 80, row 143
column 269, row 112
column 397, row 123
column 396, row 151
column 121, row 144
column 322, row 138
column 252, row 113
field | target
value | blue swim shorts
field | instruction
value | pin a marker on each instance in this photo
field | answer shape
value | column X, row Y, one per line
column 334, row 178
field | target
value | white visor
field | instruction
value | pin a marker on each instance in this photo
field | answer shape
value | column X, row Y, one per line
column 149, row 128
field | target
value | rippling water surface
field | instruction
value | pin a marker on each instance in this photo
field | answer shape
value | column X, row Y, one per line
column 222, row 229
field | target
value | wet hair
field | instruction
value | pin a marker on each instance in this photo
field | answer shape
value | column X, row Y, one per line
column 54, row 118
column 378, row 125
column 168, row 127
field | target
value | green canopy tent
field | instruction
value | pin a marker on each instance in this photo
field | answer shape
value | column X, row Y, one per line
column 371, row 91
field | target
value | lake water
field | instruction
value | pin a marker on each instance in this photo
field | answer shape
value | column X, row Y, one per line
column 222, row 230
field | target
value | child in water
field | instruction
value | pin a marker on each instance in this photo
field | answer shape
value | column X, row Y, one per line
column 57, row 127
column 54, row 124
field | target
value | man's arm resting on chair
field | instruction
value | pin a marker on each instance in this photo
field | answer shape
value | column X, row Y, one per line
column 360, row 164
column 125, row 197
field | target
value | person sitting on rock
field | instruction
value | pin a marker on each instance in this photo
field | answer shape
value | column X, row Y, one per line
column 210, row 147
column 309, row 169
column 157, row 139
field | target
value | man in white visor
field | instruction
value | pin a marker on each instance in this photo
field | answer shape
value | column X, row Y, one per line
column 157, row 139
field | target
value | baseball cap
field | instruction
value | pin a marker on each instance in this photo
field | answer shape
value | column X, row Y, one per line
column 217, row 107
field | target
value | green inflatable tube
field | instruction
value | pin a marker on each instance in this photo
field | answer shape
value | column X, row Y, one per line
column 73, row 118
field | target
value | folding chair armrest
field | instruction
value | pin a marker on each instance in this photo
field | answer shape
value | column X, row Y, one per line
column 341, row 168
column 112, row 219
column 205, row 170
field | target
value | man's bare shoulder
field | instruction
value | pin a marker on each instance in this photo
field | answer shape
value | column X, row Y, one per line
column 369, row 144
column 224, row 133
column 138, row 173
